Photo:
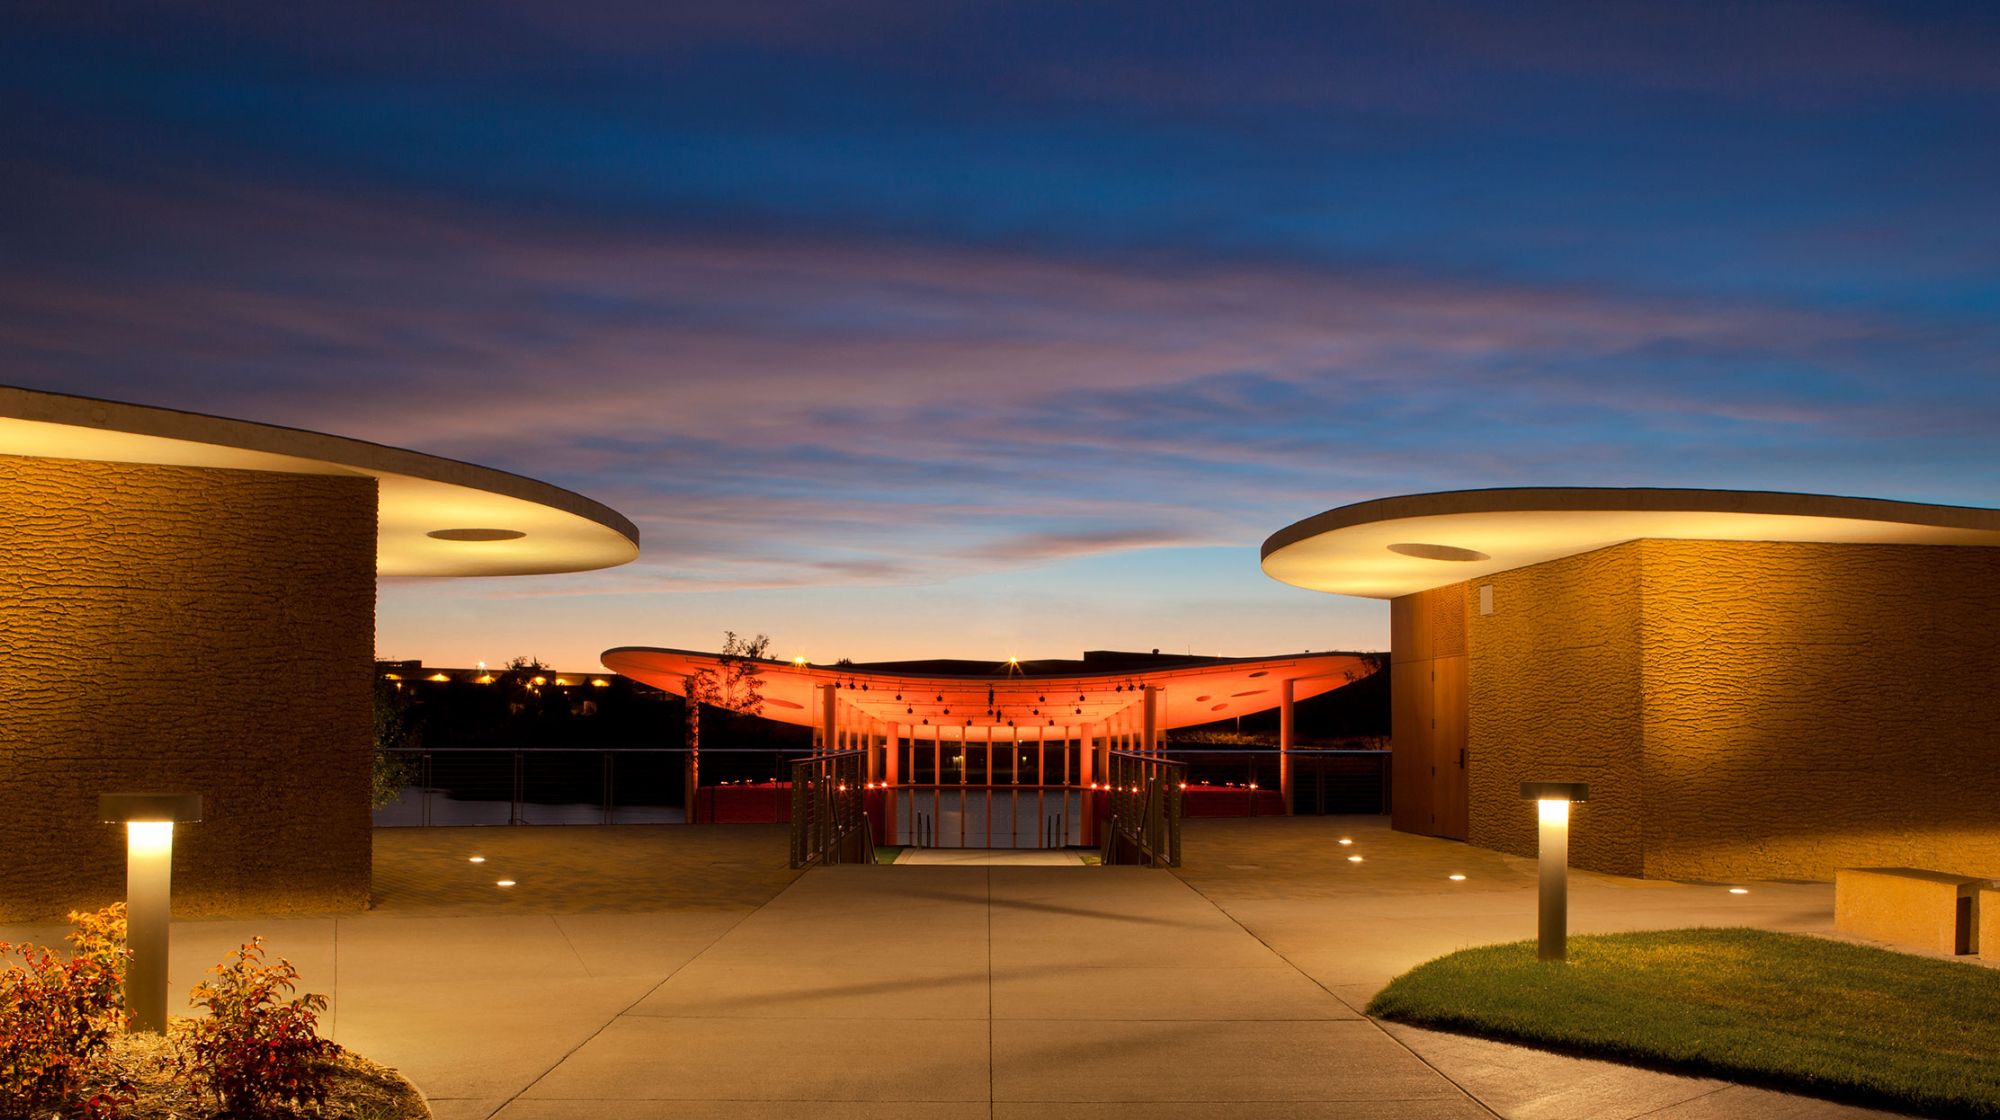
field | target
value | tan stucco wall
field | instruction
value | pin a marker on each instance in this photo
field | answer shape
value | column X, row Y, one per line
column 1553, row 694
column 185, row 630
column 1746, row 709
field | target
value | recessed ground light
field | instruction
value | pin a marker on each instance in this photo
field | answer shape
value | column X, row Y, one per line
column 475, row 859
column 504, row 883
column 1456, row 878
column 1354, row 859
column 476, row 534
column 1344, row 841
column 1739, row 890
column 1437, row 552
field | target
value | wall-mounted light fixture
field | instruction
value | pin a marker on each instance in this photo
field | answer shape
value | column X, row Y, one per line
column 149, row 820
column 1552, row 801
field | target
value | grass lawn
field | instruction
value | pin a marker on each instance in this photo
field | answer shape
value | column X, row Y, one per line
column 1797, row 1013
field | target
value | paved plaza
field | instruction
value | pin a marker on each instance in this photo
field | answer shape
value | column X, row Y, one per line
column 686, row 972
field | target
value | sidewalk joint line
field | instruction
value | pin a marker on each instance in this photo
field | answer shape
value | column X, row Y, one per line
column 1365, row 1017
column 643, row 996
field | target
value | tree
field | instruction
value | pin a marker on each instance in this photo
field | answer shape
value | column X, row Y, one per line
column 735, row 688
column 396, row 729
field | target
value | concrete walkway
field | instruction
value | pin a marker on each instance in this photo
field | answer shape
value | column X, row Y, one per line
column 685, row 972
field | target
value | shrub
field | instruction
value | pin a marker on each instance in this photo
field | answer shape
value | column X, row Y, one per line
column 257, row 1049
column 100, row 935
column 57, row 1018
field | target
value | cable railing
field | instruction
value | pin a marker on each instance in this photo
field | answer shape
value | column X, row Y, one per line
column 829, row 810
column 647, row 785
column 985, row 816
column 577, row 786
column 1144, row 826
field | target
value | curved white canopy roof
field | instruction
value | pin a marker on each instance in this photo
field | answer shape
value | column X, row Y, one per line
column 437, row 517
column 1395, row 546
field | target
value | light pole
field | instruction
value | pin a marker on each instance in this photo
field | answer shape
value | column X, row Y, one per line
column 1552, row 801
column 149, row 864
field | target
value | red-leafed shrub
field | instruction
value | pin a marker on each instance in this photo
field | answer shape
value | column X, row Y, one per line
column 257, row 1048
column 57, row 1017
column 100, row 936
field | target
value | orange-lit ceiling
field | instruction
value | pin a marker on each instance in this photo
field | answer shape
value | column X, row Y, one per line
column 1192, row 694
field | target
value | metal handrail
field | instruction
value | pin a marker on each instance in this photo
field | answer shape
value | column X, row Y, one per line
column 1145, row 803
column 829, row 813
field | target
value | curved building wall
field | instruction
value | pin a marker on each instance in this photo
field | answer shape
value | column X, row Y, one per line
column 1744, row 709
column 186, row 630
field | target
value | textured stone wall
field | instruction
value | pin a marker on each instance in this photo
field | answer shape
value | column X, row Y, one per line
column 1746, row 709
column 183, row 629
column 1553, row 694
column 1811, row 707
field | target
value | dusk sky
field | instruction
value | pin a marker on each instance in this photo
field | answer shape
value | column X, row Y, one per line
column 939, row 329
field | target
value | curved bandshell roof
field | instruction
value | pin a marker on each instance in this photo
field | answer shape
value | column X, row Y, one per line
column 1193, row 694
column 1395, row 546
column 543, row 528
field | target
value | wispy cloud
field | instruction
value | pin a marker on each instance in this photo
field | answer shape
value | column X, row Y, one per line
column 901, row 295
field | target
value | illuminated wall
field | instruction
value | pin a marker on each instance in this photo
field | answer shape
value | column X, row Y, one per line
column 1745, row 709
column 131, row 599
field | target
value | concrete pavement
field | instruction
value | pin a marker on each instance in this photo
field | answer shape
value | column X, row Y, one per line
column 677, row 972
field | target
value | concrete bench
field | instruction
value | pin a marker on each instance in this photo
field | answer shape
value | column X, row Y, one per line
column 1924, row 909
column 1987, row 909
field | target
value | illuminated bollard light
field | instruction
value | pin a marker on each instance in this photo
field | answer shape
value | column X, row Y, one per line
column 149, row 864
column 1552, row 801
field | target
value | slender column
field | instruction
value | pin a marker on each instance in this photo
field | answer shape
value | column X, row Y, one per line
column 1014, row 754
column 828, row 711
column 989, row 762
column 1086, row 746
column 1285, row 697
column 1153, row 728
column 892, row 754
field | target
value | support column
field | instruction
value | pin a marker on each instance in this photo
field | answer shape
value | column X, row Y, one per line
column 1086, row 747
column 1153, row 713
column 892, row 771
column 1285, row 696
column 827, row 715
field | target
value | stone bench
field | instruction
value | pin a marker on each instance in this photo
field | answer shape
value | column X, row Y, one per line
column 1924, row 909
column 1986, row 913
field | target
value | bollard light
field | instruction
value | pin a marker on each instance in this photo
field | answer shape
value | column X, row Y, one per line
column 1552, row 801
column 149, row 820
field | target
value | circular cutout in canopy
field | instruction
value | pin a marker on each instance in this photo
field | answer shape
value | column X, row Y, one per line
column 476, row 534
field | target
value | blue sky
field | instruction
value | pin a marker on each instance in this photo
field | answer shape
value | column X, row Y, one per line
column 911, row 329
